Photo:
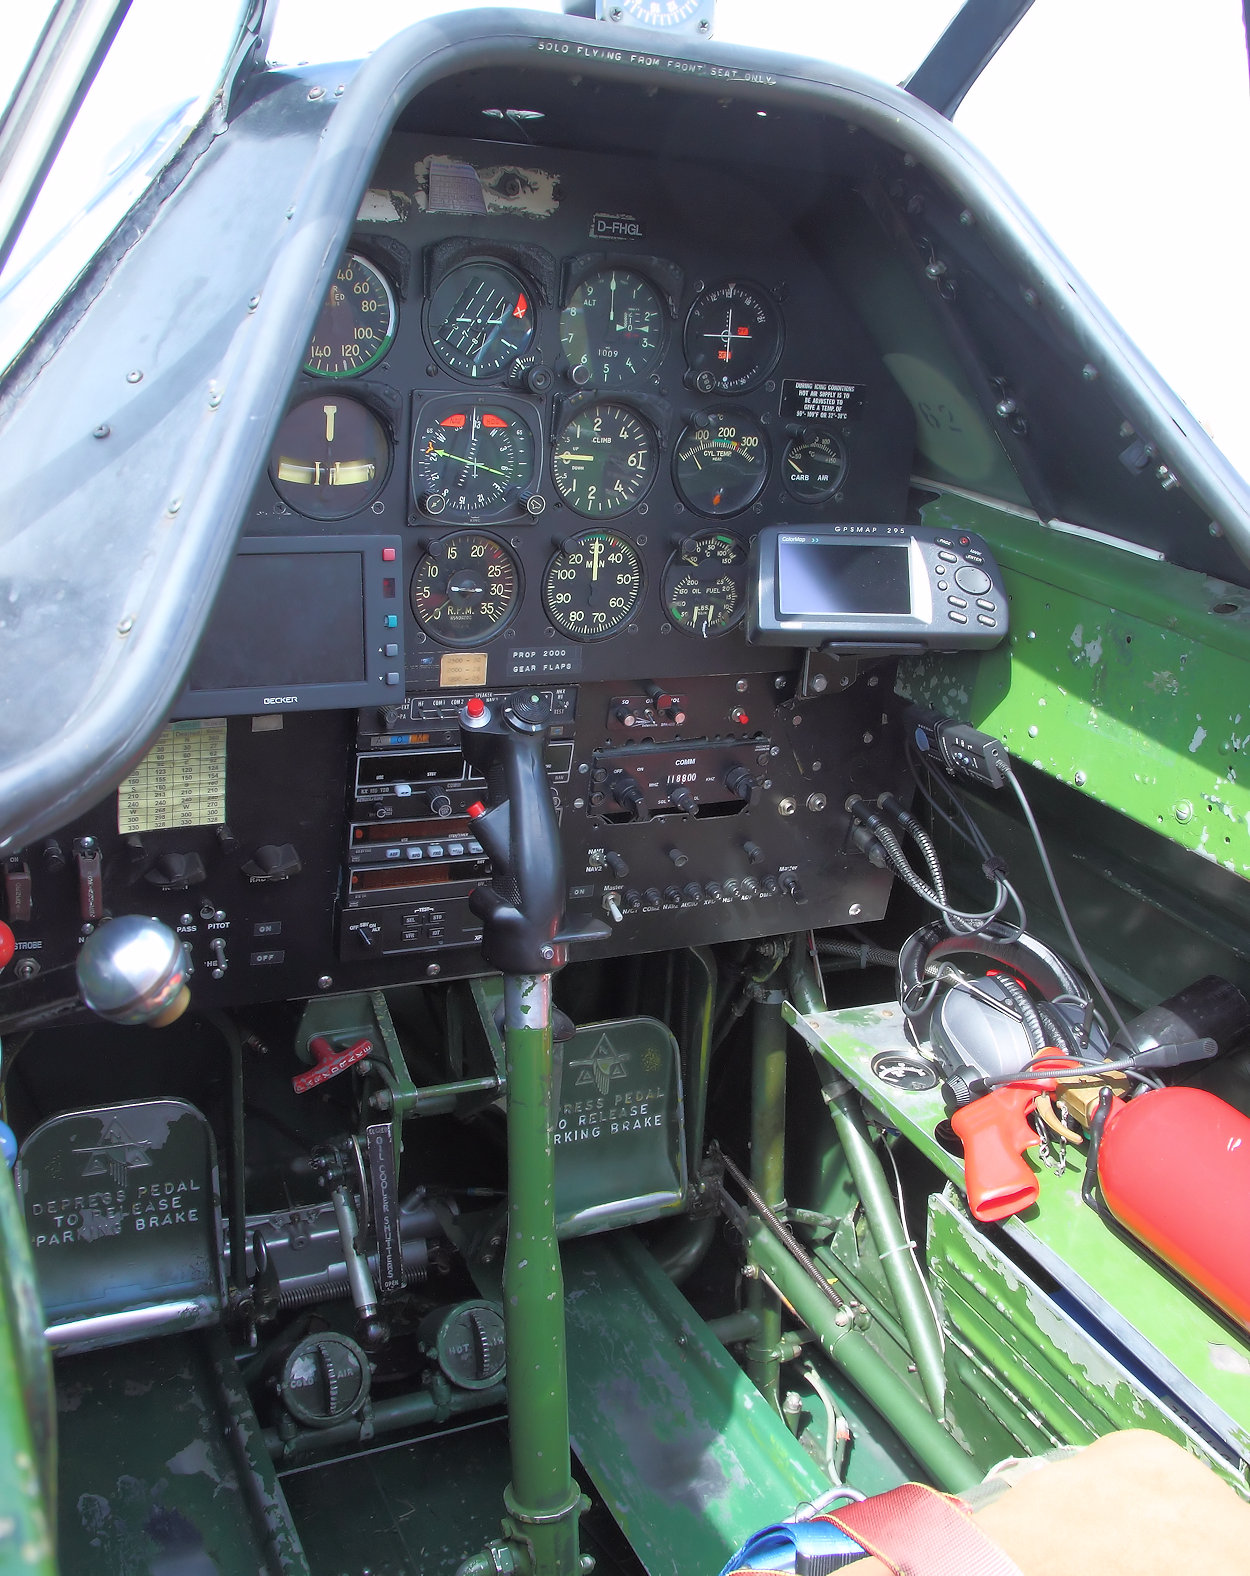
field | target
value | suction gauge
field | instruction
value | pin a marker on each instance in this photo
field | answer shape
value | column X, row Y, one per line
column 721, row 462
column 356, row 324
column 704, row 583
column 330, row 457
column 732, row 338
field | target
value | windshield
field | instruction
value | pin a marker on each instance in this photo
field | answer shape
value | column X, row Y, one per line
column 154, row 86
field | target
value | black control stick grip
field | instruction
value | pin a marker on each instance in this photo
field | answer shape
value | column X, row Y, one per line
column 522, row 906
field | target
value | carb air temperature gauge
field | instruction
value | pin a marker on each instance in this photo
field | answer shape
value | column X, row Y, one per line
column 704, row 584
column 465, row 589
column 472, row 460
column 813, row 466
column 732, row 338
column 356, row 324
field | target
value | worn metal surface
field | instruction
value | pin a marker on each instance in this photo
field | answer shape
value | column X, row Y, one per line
column 1176, row 1336
column 193, row 1489
column 122, row 1212
column 687, row 1454
column 1040, row 1367
column 1125, row 677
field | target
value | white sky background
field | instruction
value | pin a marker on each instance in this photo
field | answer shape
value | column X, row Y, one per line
column 1125, row 128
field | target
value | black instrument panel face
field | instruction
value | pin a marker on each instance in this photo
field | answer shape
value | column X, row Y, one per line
column 603, row 424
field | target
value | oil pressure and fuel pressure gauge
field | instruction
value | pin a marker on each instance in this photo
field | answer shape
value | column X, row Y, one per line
column 704, row 584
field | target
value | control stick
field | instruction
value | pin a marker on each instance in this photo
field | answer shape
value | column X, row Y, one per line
column 523, row 935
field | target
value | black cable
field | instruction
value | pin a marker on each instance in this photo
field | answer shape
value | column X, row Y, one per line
column 1090, row 971
column 1098, row 1122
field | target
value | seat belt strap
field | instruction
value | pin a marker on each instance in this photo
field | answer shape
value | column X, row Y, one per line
column 916, row 1531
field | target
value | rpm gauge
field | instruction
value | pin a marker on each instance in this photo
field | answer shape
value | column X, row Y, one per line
column 465, row 589
column 732, row 338
column 704, row 583
column 471, row 459
column 604, row 460
column 479, row 319
column 593, row 585
column 330, row 457
column 356, row 324
column 613, row 326
column 720, row 463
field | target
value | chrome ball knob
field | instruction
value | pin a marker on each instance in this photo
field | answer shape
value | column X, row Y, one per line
column 134, row 970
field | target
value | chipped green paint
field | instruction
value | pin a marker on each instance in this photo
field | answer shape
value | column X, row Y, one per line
column 1046, row 1371
column 1172, row 1331
column 1126, row 678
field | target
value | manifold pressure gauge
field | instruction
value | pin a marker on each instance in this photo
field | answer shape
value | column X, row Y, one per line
column 592, row 585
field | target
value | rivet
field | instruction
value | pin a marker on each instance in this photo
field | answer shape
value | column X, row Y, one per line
column 1089, row 372
column 102, row 431
column 324, row 982
column 316, row 93
column 855, row 910
column 253, row 303
column 214, row 396
column 134, row 377
column 1033, row 731
column 967, row 218
column 173, row 506
column 1079, row 779
column 125, row 625
column 1031, row 298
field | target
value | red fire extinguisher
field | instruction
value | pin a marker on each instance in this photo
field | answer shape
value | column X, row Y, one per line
column 1174, row 1169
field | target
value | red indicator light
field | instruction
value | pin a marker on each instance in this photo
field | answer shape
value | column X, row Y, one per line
column 475, row 809
column 388, row 588
column 521, row 308
column 722, row 355
column 388, row 555
column 493, row 421
column 474, row 706
column 744, row 332
column 452, row 421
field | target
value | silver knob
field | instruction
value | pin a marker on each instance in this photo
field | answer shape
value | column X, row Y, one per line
column 134, row 970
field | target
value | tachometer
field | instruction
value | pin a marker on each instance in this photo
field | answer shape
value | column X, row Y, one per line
column 471, row 459
column 604, row 460
column 593, row 585
column 613, row 326
column 330, row 457
column 356, row 324
column 465, row 589
column 732, row 338
column 480, row 318
column 720, row 463
column 814, row 466
column 704, row 584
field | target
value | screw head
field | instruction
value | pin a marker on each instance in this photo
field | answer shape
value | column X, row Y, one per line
column 855, row 910
column 324, row 982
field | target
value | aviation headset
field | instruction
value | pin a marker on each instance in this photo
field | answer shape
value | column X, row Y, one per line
column 997, row 1021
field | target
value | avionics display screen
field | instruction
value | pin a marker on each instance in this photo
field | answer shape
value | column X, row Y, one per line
column 832, row 579
column 284, row 620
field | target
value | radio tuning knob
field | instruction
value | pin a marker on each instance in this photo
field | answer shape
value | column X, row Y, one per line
column 440, row 805
column 740, row 782
column 629, row 795
column 616, row 863
column 684, row 800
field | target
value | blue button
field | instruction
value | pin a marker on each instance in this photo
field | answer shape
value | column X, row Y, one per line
column 392, row 621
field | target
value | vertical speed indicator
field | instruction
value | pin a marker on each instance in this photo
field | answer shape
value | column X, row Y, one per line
column 604, row 460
